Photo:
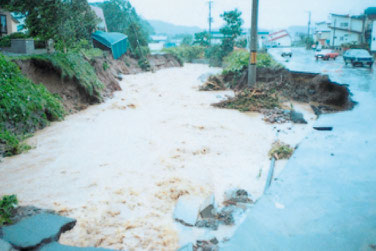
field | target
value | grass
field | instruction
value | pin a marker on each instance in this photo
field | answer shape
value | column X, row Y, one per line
column 281, row 150
column 7, row 204
column 186, row 53
column 24, row 108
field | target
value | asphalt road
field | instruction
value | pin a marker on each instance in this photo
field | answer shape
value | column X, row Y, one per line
column 325, row 199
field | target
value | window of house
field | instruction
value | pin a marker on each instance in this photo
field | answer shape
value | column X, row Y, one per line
column 344, row 25
column 3, row 24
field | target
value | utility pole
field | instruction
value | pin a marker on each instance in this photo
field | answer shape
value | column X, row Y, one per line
column 309, row 28
column 253, row 45
column 334, row 31
column 210, row 20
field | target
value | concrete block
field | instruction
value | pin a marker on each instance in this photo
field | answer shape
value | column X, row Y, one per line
column 208, row 208
column 187, row 210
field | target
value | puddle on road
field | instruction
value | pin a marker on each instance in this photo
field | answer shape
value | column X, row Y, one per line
column 119, row 167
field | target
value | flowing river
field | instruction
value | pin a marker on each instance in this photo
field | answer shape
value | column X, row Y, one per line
column 119, row 167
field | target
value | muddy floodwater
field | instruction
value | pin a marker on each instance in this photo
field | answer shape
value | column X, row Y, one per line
column 120, row 167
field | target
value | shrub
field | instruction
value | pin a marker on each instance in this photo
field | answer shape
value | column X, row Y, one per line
column 281, row 151
column 186, row 53
column 7, row 204
column 6, row 40
column 215, row 55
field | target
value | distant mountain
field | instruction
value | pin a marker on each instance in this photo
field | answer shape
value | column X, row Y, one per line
column 161, row 27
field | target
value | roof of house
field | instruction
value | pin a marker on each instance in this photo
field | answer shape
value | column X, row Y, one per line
column 116, row 41
column 348, row 16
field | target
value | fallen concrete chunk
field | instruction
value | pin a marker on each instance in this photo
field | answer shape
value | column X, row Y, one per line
column 36, row 230
column 188, row 247
column 237, row 195
column 54, row 246
column 5, row 246
column 208, row 208
column 297, row 117
column 187, row 210
column 208, row 223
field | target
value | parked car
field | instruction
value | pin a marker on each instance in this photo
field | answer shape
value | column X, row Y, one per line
column 286, row 52
column 326, row 54
column 358, row 57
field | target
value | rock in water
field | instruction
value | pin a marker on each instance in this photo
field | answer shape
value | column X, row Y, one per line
column 208, row 208
column 297, row 117
column 33, row 231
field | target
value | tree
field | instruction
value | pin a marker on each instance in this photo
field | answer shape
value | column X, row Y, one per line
column 65, row 21
column 202, row 38
column 231, row 30
column 122, row 17
column 187, row 40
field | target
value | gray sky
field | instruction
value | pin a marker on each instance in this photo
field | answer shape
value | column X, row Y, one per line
column 273, row 14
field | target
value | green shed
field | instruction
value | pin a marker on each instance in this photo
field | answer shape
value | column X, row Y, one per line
column 114, row 42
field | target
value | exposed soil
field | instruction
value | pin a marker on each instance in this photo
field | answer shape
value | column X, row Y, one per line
column 73, row 95
column 315, row 89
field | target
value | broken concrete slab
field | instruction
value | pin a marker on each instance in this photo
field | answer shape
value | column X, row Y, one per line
column 54, row 246
column 187, row 210
column 36, row 230
column 5, row 246
column 208, row 223
column 188, row 247
column 297, row 117
column 208, row 208
column 234, row 196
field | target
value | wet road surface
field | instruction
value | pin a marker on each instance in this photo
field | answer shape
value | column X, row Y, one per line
column 325, row 199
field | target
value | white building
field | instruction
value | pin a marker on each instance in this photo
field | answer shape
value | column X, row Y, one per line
column 322, row 34
column 346, row 29
column 158, row 42
column 99, row 12
column 279, row 39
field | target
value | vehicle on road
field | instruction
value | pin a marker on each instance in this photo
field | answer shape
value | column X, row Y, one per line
column 358, row 57
column 286, row 52
column 326, row 54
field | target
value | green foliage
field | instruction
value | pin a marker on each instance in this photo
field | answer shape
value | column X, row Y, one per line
column 231, row 30
column 144, row 64
column 74, row 66
column 238, row 60
column 186, row 53
column 241, row 43
column 24, row 107
column 64, row 21
column 202, row 38
column 215, row 55
column 7, row 204
column 6, row 40
column 281, row 151
column 105, row 66
column 187, row 40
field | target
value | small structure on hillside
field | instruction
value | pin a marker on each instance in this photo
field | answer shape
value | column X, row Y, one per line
column 114, row 42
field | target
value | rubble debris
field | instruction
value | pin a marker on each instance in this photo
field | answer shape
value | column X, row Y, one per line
column 237, row 195
column 208, row 208
column 226, row 215
column 214, row 83
column 36, row 230
column 208, row 223
column 188, row 247
column 276, row 115
column 187, row 210
column 206, row 246
column 281, row 150
column 297, row 117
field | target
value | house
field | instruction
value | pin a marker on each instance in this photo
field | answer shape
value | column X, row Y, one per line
column 322, row 34
column 8, row 23
column 157, row 42
column 99, row 12
column 370, row 33
column 279, row 39
column 217, row 37
column 114, row 42
column 346, row 29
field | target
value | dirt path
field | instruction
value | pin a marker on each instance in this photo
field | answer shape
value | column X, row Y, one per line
column 119, row 167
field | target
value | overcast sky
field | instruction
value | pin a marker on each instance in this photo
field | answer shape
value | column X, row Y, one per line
column 273, row 14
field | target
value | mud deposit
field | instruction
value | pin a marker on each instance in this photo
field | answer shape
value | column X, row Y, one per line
column 120, row 167
column 316, row 89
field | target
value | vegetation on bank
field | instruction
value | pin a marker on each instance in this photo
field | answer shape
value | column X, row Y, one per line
column 281, row 150
column 7, row 204
column 24, row 108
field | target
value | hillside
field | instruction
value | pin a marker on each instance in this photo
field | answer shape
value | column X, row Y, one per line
column 161, row 27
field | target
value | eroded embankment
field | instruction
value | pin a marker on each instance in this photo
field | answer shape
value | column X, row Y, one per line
column 277, row 85
column 76, row 89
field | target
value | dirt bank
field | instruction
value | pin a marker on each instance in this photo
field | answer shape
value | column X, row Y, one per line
column 108, row 71
column 316, row 89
